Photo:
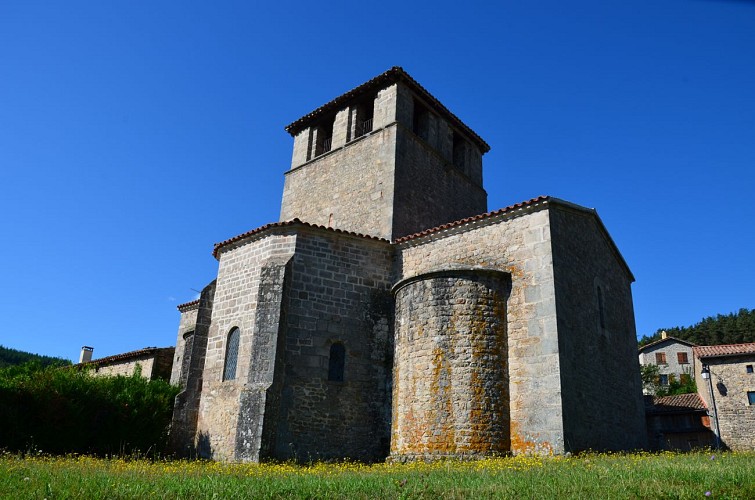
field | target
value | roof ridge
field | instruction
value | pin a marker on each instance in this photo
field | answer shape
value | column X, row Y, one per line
column 466, row 220
column 394, row 74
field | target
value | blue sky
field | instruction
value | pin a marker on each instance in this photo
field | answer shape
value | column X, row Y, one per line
column 134, row 135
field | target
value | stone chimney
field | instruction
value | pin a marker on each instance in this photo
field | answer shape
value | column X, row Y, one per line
column 86, row 354
column 664, row 335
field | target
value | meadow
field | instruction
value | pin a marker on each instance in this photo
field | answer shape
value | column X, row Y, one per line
column 642, row 475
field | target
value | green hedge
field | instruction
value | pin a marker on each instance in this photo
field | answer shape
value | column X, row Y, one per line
column 64, row 410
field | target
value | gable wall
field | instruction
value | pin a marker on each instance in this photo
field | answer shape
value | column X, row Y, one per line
column 520, row 246
column 600, row 376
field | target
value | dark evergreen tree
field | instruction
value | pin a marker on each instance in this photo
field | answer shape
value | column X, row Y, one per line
column 734, row 328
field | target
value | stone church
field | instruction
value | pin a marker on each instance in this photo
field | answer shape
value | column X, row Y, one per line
column 389, row 314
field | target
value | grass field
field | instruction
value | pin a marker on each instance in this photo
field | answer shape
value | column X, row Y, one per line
column 699, row 475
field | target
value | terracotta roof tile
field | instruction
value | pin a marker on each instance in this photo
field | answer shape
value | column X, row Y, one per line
column 467, row 220
column 680, row 402
column 188, row 306
column 391, row 76
column 290, row 223
column 669, row 338
column 126, row 356
column 715, row 351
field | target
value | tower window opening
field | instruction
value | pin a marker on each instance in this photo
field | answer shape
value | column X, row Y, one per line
column 365, row 112
column 421, row 120
column 601, row 310
column 323, row 137
column 336, row 362
column 459, row 152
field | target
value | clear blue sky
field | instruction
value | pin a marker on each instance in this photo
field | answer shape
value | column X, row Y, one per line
column 134, row 135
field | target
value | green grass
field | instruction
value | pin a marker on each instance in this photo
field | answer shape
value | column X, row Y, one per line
column 728, row 475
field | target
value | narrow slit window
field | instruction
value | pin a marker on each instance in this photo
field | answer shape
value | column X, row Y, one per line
column 459, row 152
column 601, row 309
column 336, row 362
column 231, row 355
column 421, row 120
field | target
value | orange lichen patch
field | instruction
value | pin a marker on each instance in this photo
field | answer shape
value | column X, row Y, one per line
column 528, row 444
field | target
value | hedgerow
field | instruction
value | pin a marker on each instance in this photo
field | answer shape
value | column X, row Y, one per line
column 65, row 410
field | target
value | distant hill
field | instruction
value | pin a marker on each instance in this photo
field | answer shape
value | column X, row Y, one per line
column 13, row 357
column 734, row 328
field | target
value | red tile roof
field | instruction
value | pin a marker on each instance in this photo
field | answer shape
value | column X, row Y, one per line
column 393, row 75
column 290, row 223
column 141, row 353
column 487, row 215
column 540, row 200
column 717, row 351
column 680, row 402
column 188, row 306
column 667, row 339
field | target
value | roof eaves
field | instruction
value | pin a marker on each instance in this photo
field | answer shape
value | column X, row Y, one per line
column 125, row 356
column 188, row 306
column 393, row 75
column 283, row 224
column 652, row 344
column 474, row 219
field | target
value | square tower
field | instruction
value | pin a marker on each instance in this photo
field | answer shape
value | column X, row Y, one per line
column 385, row 159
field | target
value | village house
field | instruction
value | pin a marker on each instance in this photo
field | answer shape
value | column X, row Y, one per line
column 726, row 383
column 672, row 356
column 151, row 362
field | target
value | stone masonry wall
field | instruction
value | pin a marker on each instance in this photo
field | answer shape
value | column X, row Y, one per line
column 430, row 190
column 600, row 376
column 127, row 368
column 670, row 348
column 186, row 325
column 349, row 188
column 451, row 394
column 339, row 293
column 517, row 243
column 731, row 383
column 235, row 305
column 193, row 344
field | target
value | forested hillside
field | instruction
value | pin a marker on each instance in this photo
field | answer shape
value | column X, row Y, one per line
column 12, row 357
column 734, row 328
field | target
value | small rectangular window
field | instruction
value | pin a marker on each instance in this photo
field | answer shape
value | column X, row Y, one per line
column 751, row 397
column 749, row 368
column 663, row 379
column 660, row 358
column 682, row 358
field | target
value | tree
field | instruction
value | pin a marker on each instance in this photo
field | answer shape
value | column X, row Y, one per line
column 650, row 375
column 734, row 328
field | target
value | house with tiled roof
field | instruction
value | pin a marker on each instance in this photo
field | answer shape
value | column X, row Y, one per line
column 678, row 423
column 150, row 362
column 390, row 314
column 672, row 356
column 726, row 383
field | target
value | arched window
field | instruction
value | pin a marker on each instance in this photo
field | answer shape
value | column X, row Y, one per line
column 231, row 355
column 601, row 309
column 336, row 362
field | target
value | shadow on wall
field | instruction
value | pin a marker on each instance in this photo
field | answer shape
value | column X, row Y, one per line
column 204, row 448
column 722, row 390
